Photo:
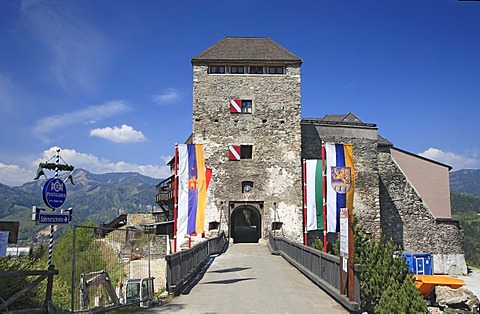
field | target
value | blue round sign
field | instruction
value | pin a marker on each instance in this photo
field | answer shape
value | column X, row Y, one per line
column 54, row 193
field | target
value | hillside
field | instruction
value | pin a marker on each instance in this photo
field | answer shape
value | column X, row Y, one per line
column 465, row 181
column 94, row 197
column 465, row 202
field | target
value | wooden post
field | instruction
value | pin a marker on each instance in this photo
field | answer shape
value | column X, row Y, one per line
column 48, row 295
column 351, row 250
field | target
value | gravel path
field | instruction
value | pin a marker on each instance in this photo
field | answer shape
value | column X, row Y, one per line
column 472, row 281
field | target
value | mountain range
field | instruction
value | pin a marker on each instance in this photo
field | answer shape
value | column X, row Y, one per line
column 466, row 181
column 93, row 197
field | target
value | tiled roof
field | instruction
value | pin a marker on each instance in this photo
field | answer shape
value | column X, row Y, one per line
column 384, row 142
column 342, row 118
column 233, row 49
column 339, row 119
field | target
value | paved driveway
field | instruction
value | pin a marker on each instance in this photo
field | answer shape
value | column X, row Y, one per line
column 248, row 279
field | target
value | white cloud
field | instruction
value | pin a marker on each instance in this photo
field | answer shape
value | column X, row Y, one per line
column 169, row 96
column 14, row 175
column 97, row 165
column 123, row 134
column 77, row 50
column 457, row 161
column 88, row 115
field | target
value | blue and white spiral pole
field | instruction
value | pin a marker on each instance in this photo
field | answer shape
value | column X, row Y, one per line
column 52, row 227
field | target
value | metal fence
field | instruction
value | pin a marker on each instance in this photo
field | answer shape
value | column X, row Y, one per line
column 105, row 260
column 182, row 266
column 322, row 268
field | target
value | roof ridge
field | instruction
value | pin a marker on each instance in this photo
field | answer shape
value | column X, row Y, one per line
column 282, row 48
column 211, row 47
column 247, row 48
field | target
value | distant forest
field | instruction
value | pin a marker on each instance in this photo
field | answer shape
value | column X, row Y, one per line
column 466, row 209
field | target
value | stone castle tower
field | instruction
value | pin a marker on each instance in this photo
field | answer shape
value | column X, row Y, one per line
column 246, row 112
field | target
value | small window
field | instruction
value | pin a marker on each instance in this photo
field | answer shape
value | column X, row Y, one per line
column 237, row 152
column 256, row 69
column 246, row 152
column 240, row 106
column 246, row 106
column 237, row 69
column 217, row 69
column 275, row 70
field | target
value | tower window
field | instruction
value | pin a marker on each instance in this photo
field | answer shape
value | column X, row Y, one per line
column 234, row 69
column 217, row 69
column 240, row 106
column 275, row 70
column 237, row 152
column 246, row 106
column 256, row 69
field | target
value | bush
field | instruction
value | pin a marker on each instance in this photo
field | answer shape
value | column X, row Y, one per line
column 403, row 298
column 386, row 285
column 11, row 285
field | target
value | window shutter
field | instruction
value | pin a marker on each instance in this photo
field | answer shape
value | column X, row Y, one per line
column 235, row 105
column 233, row 152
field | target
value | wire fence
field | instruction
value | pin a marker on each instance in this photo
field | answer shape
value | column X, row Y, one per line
column 106, row 261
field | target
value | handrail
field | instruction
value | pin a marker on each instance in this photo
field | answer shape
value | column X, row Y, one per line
column 182, row 266
column 322, row 268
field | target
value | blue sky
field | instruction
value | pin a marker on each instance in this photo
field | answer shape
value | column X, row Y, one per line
column 110, row 81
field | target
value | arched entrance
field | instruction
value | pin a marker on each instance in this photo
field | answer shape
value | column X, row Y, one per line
column 245, row 225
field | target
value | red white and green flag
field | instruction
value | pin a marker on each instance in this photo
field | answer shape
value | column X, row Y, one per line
column 314, row 194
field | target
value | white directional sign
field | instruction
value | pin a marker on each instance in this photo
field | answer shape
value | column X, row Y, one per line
column 53, row 219
column 344, row 232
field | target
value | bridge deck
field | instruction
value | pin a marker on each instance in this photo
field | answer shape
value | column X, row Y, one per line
column 248, row 279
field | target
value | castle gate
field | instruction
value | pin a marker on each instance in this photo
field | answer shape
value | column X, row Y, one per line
column 245, row 224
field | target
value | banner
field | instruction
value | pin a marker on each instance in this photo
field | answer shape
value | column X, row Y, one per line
column 193, row 179
column 340, row 182
column 314, row 193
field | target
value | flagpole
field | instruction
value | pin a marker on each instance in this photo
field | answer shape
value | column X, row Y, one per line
column 175, row 198
column 324, row 192
column 305, row 232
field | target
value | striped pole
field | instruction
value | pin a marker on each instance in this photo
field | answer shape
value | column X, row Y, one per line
column 52, row 230
column 304, row 175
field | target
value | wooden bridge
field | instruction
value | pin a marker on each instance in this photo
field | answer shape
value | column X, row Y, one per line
column 278, row 277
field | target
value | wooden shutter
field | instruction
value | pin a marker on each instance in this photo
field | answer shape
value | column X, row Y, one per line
column 233, row 152
column 235, row 105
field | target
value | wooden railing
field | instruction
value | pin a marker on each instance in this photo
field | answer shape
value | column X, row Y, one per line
column 184, row 265
column 322, row 268
column 43, row 274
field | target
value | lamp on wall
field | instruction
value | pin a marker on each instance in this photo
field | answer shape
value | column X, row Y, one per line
column 276, row 224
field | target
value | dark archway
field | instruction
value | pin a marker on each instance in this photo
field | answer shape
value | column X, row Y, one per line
column 245, row 225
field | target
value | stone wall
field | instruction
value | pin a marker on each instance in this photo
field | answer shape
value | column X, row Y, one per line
column 140, row 218
column 273, row 129
column 408, row 221
column 365, row 142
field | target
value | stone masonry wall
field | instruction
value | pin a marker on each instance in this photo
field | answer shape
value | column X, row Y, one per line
column 364, row 141
column 409, row 222
column 273, row 129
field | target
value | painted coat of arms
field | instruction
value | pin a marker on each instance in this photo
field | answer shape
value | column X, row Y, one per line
column 341, row 179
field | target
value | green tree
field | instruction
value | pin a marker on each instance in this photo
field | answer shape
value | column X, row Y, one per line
column 11, row 285
column 401, row 298
column 385, row 281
